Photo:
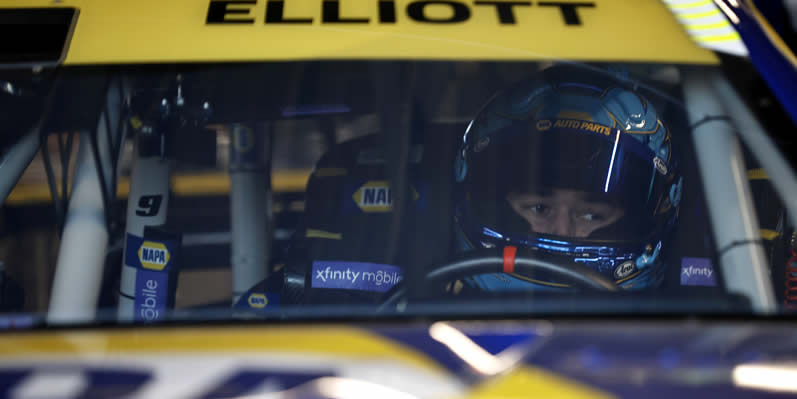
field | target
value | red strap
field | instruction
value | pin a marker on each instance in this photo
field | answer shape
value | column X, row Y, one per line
column 509, row 258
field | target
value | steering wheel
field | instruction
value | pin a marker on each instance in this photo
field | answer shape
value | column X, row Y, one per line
column 487, row 261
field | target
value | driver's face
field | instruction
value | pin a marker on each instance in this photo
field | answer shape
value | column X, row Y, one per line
column 561, row 212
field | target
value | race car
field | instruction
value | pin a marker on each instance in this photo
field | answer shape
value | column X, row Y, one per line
column 406, row 198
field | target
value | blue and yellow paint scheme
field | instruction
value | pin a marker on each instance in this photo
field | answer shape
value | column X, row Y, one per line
column 511, row 359
column 587, row 359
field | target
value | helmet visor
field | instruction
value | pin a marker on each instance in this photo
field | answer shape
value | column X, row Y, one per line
column 565, row 178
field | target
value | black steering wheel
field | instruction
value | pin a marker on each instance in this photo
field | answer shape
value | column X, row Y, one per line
column 486, row 261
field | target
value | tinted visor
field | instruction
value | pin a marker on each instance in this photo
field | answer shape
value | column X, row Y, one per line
column 575, row 179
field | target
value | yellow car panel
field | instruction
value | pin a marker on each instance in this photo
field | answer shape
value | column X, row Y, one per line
column 149, row 31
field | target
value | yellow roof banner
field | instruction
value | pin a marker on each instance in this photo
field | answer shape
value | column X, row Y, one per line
column 157, row 31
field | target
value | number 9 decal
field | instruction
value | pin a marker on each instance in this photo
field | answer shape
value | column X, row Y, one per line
column 149, row 205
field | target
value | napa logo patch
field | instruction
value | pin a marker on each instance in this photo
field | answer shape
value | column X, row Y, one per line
column 257, row 301
column 376, row 196
column 153, row 255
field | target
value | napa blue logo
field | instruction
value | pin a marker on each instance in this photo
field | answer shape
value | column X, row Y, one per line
column 153, row 255
column 257, row 301
column 376, row 196
column 544, row 125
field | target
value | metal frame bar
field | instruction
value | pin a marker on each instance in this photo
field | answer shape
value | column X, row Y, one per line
column 250, row 206
column 16, row 159
column 85, row 235
column 733, row 218
column 760, row 144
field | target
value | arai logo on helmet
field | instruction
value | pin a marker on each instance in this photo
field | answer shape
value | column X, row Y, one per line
column 625, row 269
column 153, row 255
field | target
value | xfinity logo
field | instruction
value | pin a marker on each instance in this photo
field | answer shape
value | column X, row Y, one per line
column 328, row 273
column 697, row 271
column 355, row 276
column 378, row 278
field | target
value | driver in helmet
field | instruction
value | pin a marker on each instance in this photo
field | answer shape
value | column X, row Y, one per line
column 574, row 167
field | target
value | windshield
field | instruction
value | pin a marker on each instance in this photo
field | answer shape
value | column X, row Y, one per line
column 322, row 189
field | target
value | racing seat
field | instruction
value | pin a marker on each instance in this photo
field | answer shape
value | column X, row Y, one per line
column 339, row 252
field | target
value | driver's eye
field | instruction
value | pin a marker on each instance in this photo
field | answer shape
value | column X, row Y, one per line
column 593, row 217
column 538, row 209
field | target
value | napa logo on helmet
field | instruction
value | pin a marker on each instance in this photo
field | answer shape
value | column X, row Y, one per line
column 544, row 125
column 585, row 125
column 376, row 196
column 153, row 255
column 257, row 301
